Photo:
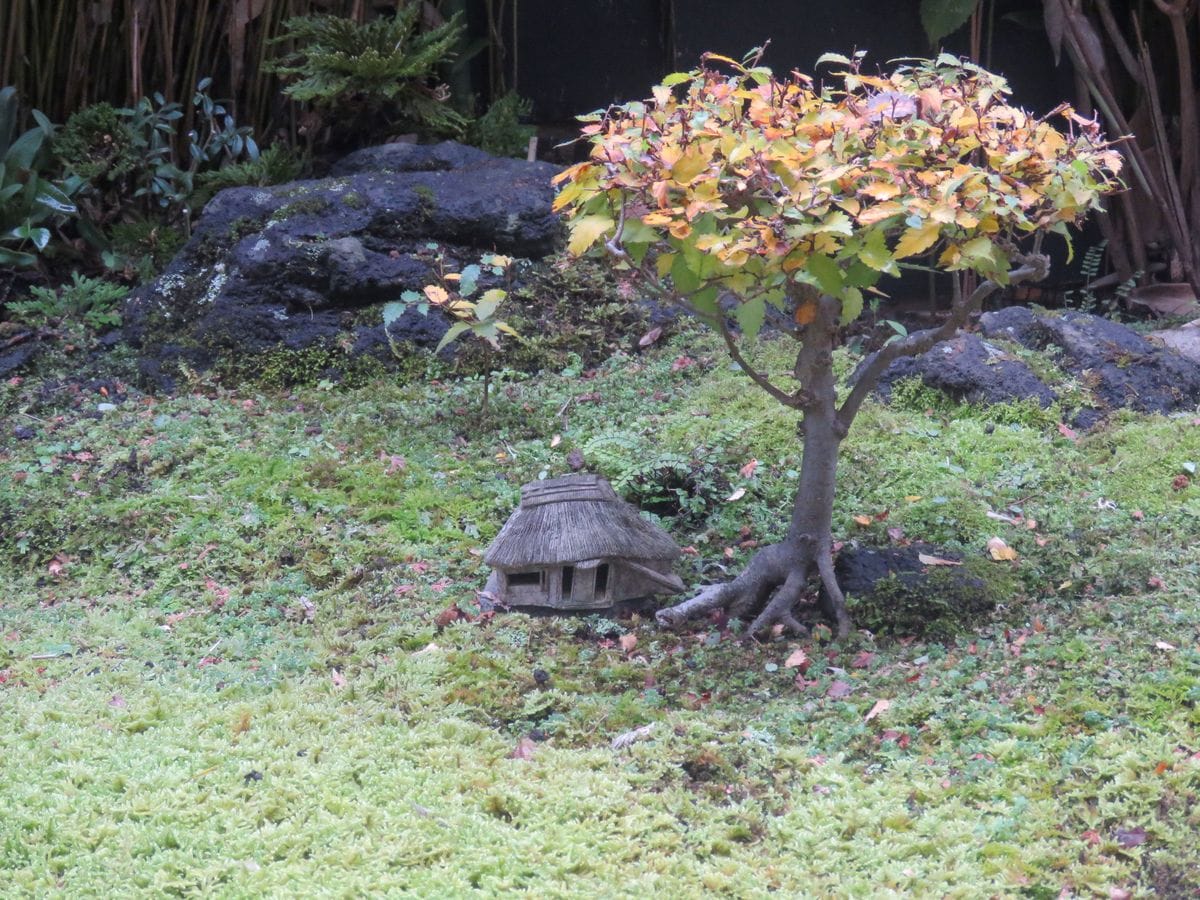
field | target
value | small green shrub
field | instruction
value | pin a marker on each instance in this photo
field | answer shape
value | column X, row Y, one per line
column 142, row 247
column 31, row 200
column 275, row 165
column 96, row 144
column 499, row 130
column 88, row 302
column 380, row 75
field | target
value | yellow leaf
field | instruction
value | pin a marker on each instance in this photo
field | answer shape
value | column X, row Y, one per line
column 928, row 560
column 881, row 190
column 663, row 264
column 680, row 229
column 879, row 212
column 585, row 230
column 657, row 218
column 436, row 294
column 950, row 256
column 1000, row 551
column 689, row 166
column 943, row 213
column 864, row 521
column 917, row 240
column 569, row 172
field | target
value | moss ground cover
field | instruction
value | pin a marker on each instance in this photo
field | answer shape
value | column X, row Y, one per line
column 240, row 652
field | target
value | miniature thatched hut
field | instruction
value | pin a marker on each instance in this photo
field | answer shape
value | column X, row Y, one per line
column 573, row 544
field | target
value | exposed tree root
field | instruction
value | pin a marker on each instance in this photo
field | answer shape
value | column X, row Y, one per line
column 771, row 587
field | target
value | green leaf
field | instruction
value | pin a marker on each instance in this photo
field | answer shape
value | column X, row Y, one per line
column 20, row 155
column 875, row 253
column 52, row 197
column 487, row 304
column 861, row 275
column 852, row 305
column 705, row 302
column 39, row 236
column 829, row 274
column 468, row 280
column 676, row 78
column 750, row 314
column 686, row 280
column 832, row 58
column 16, row 258
column 942, row 17
column 451, row 335
column 394, row 310
column 1061, row 228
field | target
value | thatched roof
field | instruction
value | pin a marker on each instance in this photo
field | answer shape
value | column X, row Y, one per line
column 572, row 519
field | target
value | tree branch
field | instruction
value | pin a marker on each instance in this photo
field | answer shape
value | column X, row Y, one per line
column 790, row 400
column 1035, row 269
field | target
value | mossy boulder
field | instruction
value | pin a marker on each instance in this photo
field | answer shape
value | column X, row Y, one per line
column 299, row 265
column 1112, row 365
column 893, row 590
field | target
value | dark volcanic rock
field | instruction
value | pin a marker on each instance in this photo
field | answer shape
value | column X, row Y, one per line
column 1116, row 365
column 969, row 369
column 402, row 157
column 1119, row 366
column 17, row 356
column 293, row 266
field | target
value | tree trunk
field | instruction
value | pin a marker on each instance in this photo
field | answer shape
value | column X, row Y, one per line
column 777, row 577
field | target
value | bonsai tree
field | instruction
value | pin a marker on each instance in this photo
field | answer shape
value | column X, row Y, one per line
column 745, row 198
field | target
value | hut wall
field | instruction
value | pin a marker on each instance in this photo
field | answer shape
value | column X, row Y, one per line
column 521, row 589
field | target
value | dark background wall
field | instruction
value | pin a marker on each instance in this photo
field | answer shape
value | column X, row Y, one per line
column 572, row 58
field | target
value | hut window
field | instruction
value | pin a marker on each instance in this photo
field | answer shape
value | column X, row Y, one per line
column 601, row 579
column 568, row 579
column 524, row 579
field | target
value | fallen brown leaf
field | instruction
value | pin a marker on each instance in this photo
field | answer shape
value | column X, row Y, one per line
column 881, row 706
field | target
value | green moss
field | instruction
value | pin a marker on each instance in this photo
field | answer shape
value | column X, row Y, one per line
column 306, row 206
column 354, row 200
column 286, row 368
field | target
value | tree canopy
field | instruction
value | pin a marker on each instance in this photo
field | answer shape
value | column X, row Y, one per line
column 737, row 181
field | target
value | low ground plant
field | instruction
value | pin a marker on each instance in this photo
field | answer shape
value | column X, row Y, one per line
column 241, row 651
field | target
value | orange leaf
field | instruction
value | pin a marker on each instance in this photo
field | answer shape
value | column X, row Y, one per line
column 805, row 313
